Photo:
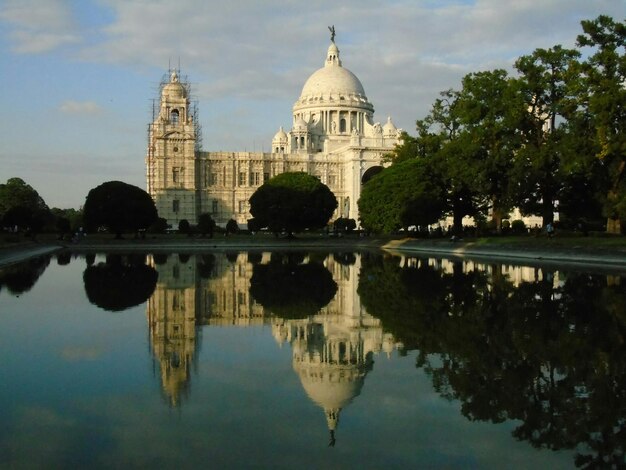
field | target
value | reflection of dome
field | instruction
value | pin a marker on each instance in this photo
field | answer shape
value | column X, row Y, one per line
column 332, row 387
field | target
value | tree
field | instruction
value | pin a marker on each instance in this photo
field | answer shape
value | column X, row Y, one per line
column 603, row 94
column 454, row 154
column 160, row 225
column 184, row 227
column 119, row 207
column 402, row 195
column 343, row 224
column 232, row 226
column 293, row 202
column 545, row 77
column 16, row 193
column 489, row 107
column 206, row 224
column 22, row 206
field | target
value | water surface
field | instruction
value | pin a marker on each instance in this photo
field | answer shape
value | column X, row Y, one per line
column 316, row 360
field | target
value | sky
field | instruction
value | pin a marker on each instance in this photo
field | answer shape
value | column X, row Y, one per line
column 78, row 77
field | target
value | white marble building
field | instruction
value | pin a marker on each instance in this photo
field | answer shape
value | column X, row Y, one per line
column 333, row 137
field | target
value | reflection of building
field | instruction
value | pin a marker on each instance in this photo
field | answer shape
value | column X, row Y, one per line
column 333, row 137
column 516, row 274
column 183, row 301
column 172, row 323
column 332, row 351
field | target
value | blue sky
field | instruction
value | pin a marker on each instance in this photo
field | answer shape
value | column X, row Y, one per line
column 78, row 76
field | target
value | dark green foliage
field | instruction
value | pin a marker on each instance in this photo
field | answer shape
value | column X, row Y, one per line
column 602, row 90
column 16, row 193
column 254, row 225
column 206, row 224
column 119, row 283
column 518, row 227
column 293, row 202
column 232, row 226
column 402, row 195
column 73, row 216
column 184, row 227
column 291, row 290
column 119, row 207
column 160, row 225
column 344, row 225
column 206, row 265
column 63, row 225
column 64, row 258
column 160, row 258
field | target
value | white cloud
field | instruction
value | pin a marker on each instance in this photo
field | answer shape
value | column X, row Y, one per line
column 39, row 26
column 80, row 107
column 266, row 50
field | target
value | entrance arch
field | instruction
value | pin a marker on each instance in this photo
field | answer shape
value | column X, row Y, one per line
column 370, row 173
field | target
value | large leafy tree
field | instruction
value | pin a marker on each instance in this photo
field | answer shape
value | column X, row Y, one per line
column 405, row 194
column 443, row 139
column 490, row 107
column 293, row 201
column 604, row 97
column 120, row 207
column 545, row 82
column 22, row 205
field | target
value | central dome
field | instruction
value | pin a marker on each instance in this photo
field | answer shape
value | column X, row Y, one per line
column 333, row 82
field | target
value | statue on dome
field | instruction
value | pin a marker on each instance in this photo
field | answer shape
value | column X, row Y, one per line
column 332, row 32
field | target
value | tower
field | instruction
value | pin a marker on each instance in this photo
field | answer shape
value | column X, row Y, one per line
column 171, row 158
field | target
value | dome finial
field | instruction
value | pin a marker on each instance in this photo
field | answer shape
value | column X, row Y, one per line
column 332, row 32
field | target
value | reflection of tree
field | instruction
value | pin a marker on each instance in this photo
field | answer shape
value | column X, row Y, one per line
column 20, row 278
column 292, row 290
column 206, row 265
column 345, row 258
column 64, row 258
column 550, row 355
column 120, row 283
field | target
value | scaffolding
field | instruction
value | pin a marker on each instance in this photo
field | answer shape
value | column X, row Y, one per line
column 193, row 113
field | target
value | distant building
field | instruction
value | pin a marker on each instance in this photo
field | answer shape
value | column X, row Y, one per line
column 333, row 137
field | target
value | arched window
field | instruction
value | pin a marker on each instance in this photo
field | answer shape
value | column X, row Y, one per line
column 342, row 125
column 174, row 115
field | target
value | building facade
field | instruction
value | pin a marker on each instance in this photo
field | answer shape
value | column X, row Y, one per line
column 333, row 137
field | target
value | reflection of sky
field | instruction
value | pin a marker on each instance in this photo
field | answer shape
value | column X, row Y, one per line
column 78, row 388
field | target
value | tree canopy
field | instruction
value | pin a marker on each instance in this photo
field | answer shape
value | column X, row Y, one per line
column 553, row 134
column 22, row 206
column 400, row 196
column 120, row 207
column 293, row 202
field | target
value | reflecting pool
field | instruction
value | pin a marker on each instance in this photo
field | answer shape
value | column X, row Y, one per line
column 309, row 360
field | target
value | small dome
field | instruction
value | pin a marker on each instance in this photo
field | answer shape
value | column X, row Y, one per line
column 389, row 129
column 300, row 124
column 280, row 136
column 174, row 89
